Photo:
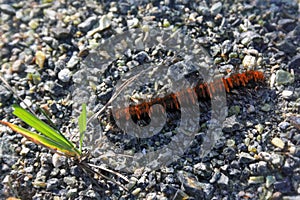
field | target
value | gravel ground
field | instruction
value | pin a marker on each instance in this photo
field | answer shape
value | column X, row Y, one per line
column 257, row 156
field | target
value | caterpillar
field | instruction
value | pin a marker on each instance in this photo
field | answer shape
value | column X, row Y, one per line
column 203, row 91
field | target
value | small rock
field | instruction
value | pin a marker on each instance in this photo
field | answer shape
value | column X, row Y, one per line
column 4, row 94
column 34, row 24
column 216, row 8
column 133, row 23
column 7, row 9
column 283, row 77
column 249, row 61
column 256, row 179
column 24, row 151
column 283, row 186
column 250, row 109
column 287, row 94
column 16, row 66
column 65, row 75
column 58, row 160
column 141, row 57
column 87, row 24
column 52, row 184
column 259, row 128
column 245, row 158
column 73, row 61
column 61, row 33
column 270, row 180
column 277, row 142
column 72, row 193
column 295, row 121
column 266, row 107
column 287, row 46
column 231, row 124
column 287, row 24
column 223, row 180
column 193, row 187
column 295, row 64
column 136, row 191
column 40, row 58
column 70, row 180
column 283, row 125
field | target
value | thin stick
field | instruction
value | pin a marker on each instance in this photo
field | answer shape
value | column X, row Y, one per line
column 110, row 171
column 88, row 168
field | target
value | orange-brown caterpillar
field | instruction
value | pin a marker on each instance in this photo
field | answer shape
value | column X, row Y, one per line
column 203, row 90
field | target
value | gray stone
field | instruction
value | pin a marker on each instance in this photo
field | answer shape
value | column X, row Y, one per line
column 52, row 184
column 223, row 180
column 72, row 193
column 70, row 180
column 266, row 107
column 193, row 187
column 245, row 158
column 61, row 33
column 216, row 8
column 87, row 24
column 283, row 125
column 65, row 75
column 7, row 9
column 287, row 94
column 231, row 124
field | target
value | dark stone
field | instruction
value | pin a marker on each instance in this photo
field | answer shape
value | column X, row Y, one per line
column 231, row 124
column 295, row 63
column 287, row 24
column 7, row 9
column 61, row 33
column 287, row 46
column 283, row 186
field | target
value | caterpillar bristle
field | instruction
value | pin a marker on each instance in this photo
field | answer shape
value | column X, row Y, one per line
column 203, row 91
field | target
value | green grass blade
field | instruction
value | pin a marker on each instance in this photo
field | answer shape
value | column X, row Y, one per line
column 42, row 140
column 42, row 127
column 82, row 125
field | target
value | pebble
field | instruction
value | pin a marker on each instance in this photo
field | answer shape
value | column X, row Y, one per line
column 24, row 151
column 136, row 191
column 250, row 109
column 256, row 179
column 283, row 186
column 7, row 9
column 87, row 24
column 295, row 64
column 266, row 107
column 4, row 94
column 231, row 124
column 40, row 58
column 270, row 180
column 216, row 8
column 52, row 184
column 193, row 187
column 73, row 61
column 61, row 33
column 58, row 160
column 249, row 61
column 283, row 125
column 278, row 142
column 283, row 77
column 287, row 94
column 223, row 180
column 295, row 121
column 70, row 180
column 65, row 75
column 245, row 158
column 72, row 193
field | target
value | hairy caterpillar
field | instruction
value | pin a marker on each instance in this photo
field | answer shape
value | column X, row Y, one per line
column 203, row 90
